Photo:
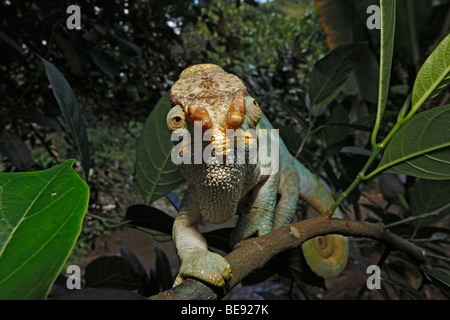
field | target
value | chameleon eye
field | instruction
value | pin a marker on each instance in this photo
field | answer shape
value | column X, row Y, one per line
column 253, row 114
column 176, row 118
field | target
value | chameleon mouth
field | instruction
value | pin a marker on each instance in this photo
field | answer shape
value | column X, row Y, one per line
column 238, row 141
column 235, row 151
column 219, row 153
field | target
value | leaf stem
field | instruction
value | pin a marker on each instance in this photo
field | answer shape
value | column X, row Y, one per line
column 359, row 177
column 110, row 223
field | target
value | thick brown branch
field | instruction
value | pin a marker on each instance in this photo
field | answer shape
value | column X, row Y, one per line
column 252, row 254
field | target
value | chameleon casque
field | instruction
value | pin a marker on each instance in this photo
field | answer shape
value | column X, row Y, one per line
column 207, row 95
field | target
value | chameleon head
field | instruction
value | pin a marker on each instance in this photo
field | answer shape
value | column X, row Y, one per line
column 217, row 99
column 208, row 99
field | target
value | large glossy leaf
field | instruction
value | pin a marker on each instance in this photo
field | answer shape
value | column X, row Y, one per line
column 156, row 174
column 41, row 214
column 433, row 76
column 332, row 72
column 421, row 147
column 71, row 111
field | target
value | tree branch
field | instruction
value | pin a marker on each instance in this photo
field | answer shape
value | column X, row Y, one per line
column 254, row 253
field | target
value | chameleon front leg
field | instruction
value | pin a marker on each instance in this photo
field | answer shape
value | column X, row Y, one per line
column 289, row 190
column 258, row 220
column 196, row 260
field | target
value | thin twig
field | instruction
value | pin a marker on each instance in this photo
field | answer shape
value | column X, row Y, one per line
column 410, row 219
column 436, row 256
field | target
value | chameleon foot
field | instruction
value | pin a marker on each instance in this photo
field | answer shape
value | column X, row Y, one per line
column 206, row 266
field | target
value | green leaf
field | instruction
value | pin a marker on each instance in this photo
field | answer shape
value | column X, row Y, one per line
column 367, row 71
column 163, row 271
column 149, row 218
column 387, row 12
column 41, row 215
column 105, row 63
column 409, row 290
column 341, row 23
column 7, row 40
column 17, row 151
column 331, row 73
column 421, row 147
column 433, row 76
column 440, row 274
column 111, row 272
column 441, row 279
column 336, row 130
column 71, row 112
column 428, row 196
column 336, row 18
column 144, row 283
column 156, row 174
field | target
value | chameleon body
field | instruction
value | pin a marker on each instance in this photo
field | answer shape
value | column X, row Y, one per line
column 207, row 99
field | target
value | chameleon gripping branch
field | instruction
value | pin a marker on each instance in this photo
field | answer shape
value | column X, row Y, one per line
column 251, row 254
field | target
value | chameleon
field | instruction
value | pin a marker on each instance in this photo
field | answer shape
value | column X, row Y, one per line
column 264, row 194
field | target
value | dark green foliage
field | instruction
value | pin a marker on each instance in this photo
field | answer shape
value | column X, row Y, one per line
column 117, row 64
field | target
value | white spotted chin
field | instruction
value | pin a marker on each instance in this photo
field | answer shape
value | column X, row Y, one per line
column 221, row 175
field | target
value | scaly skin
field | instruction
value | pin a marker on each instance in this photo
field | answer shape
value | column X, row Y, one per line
column 219, row 101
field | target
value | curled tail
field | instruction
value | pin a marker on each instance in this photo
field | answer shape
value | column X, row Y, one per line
column 326, row 255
